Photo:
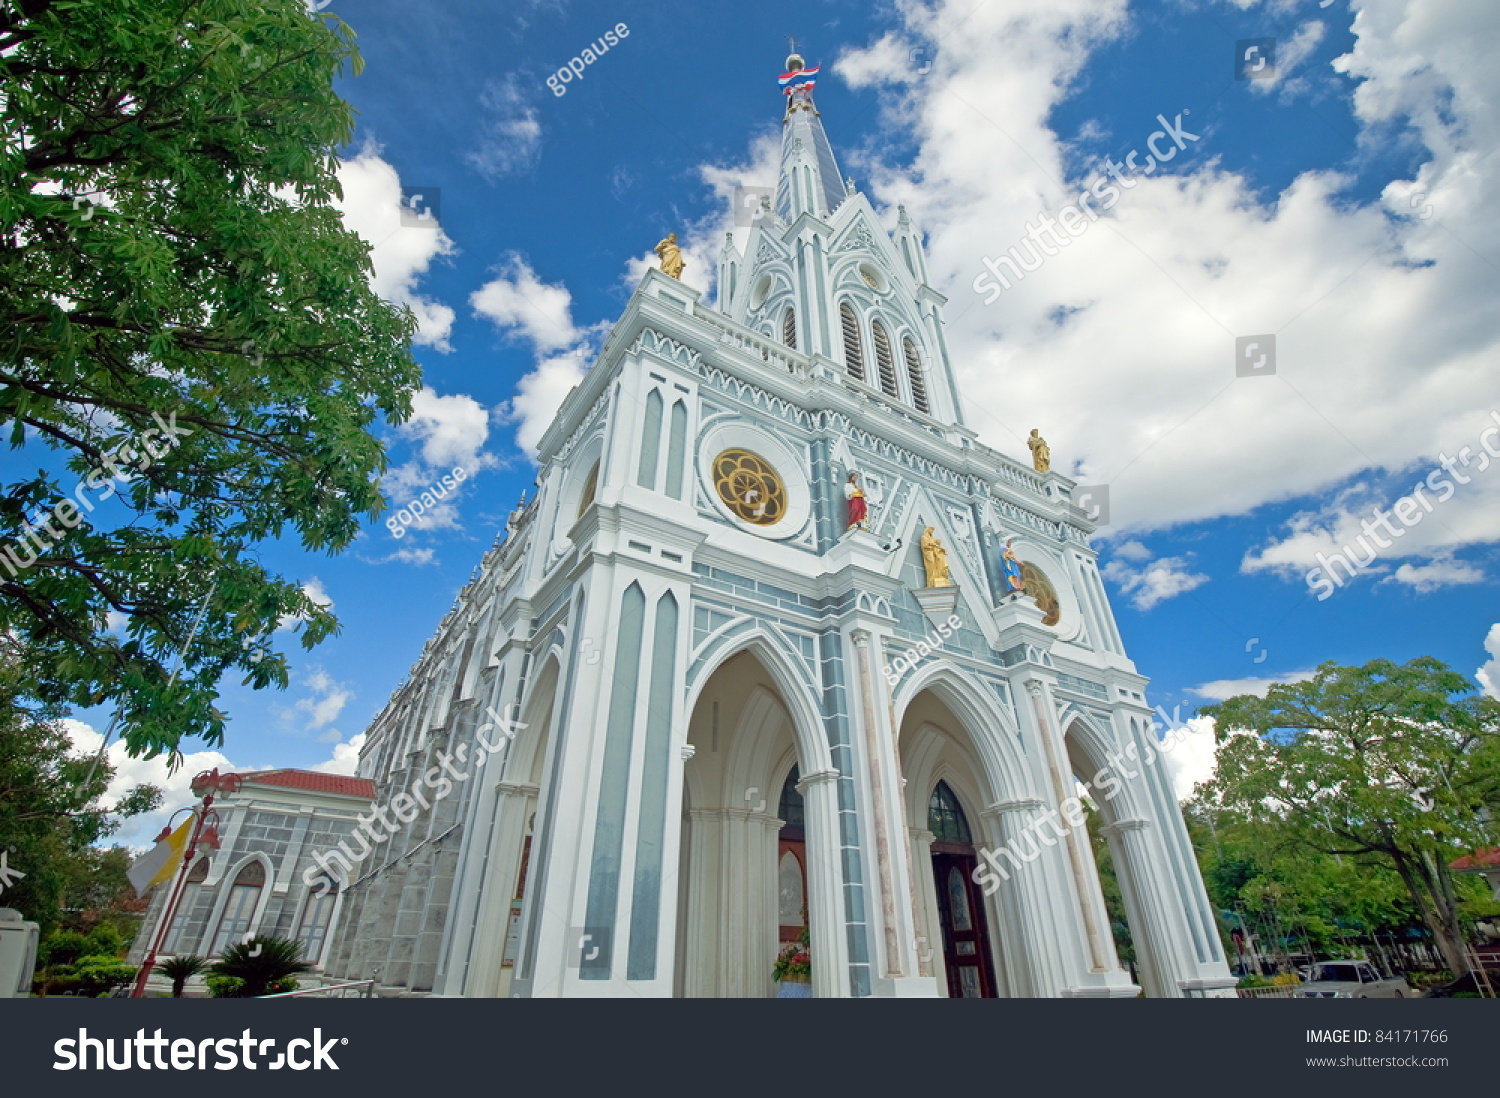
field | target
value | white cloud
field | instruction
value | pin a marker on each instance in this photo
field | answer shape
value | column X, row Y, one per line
column 345, row 758
column 418, row 557
column 1220, row 689
column 1443, row 572
column 401, row 254
column 325, row 701
column 522, row 305
column 1489, row 674
column 1124, row 340
column 510, row 138
column 1154, row 581
column 518, row 301
column 451, row 432
column 1290, row 53
column 1192, row 757
column 139, row 832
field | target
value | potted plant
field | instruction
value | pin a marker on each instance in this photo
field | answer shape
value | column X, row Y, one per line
column 793, row 969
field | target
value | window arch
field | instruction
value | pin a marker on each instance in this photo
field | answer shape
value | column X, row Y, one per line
column 190, row 890
column 914, row 372
column 789, row 327
column 854, row 351
column 945, row 818
column 590, row 487
column 885, row 362
column 239, row 906
column 317, row 917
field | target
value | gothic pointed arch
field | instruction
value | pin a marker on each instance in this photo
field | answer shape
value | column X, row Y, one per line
column 854, row 348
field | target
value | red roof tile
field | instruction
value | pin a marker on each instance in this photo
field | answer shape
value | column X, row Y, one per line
column 1486, row 857
column 315, row 782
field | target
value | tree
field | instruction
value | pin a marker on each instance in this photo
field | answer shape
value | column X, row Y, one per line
column 193, row 359
column 50, row 810
column 180, row 970
column 1392, row 765
column 258, row 964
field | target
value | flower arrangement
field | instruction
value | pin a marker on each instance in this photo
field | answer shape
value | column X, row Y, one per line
column 794, row 962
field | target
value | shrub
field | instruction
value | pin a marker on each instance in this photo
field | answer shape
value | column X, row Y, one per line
column 99, row 975
column 180, row 970
column 62, row 947
column 225, row 987
column 260, row 963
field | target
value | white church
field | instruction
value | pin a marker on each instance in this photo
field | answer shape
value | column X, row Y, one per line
column 710, row 693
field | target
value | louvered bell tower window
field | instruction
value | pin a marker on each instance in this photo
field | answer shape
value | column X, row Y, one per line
column 885, row 362
column 914, row 371
column 854, row 351
column 789, row 328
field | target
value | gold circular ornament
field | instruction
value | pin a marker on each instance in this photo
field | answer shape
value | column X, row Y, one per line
column 750, row 487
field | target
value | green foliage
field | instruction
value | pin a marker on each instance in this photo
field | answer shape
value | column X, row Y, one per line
column 1387, row 771
column 211, row 285
column 99, row 975
column 260, row 963
column 50, row 814
column 180, row 970
column 62, row 947
column 224, row 987
column 105, row 941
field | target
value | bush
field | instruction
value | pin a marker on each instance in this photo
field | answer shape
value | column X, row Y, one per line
column 105, row 941
column 99, row 975
column 261, row 963
column 62, row 947
column 225, row 987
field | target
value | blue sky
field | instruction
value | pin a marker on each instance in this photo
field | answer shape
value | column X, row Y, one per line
column 1298, row 212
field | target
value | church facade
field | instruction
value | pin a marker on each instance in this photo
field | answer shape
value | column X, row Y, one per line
column 779, row 652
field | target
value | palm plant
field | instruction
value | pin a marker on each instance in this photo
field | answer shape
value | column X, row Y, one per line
column 180, row 970
column 261, row 962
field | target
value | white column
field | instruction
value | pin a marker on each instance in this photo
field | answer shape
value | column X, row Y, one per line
column 825, row 887
column 513, row 803
column 1031, row 944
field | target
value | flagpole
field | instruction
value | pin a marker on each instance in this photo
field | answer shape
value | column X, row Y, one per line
column 169, row 912
column 210, row 782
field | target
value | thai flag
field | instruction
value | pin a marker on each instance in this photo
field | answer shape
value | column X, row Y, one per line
column 800, row 78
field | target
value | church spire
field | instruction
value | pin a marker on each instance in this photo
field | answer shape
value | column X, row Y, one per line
column 809, row 181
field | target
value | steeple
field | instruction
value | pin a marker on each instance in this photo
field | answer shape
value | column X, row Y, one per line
column 820, row 274
column 809, row 181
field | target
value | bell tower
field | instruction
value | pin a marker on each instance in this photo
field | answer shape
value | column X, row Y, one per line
column 820, row 275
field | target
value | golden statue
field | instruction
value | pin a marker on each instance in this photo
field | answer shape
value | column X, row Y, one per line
column 671, row 256
column 935, row 560
column 1041, row 453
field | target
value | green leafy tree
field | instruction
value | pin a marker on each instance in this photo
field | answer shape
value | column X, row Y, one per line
column 259, row 963
column 1390, row 765
column 193, row 360
column 180, row 970
column 50, row 808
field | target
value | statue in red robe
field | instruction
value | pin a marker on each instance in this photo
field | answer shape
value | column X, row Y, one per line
column 858, row 508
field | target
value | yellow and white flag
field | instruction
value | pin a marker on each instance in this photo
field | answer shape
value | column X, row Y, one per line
column 161, row 861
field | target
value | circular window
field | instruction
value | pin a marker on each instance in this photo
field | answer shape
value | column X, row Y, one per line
column 750, row 487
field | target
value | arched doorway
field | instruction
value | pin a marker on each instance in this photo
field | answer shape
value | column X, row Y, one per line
column 750, row 866
column 947, row 785
column 968, row 960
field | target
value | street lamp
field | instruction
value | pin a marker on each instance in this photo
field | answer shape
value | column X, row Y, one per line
column 205, row 833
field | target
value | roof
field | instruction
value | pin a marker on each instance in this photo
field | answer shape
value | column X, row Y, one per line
column 315, row 782
column 1486, row 857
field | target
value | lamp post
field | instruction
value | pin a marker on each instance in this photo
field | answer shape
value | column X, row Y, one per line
column 205, row 833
